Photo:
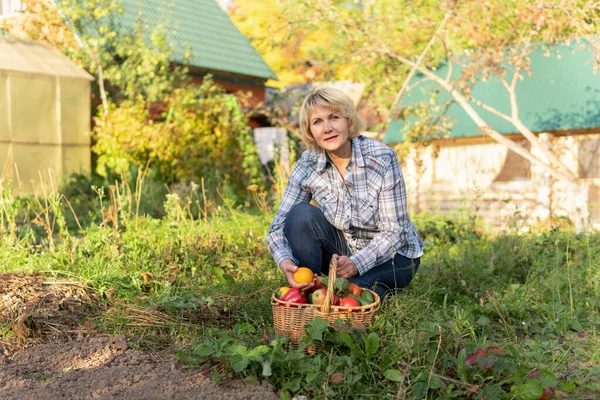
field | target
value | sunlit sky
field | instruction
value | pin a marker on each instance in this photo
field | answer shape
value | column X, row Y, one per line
column 225, row 3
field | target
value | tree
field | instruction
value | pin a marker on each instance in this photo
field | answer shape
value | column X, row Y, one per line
column 129, row 63
column 296, row 54
column 152, row 112
column 203, row 134
column 488, row 39
column 40, row 21
column 497, row 37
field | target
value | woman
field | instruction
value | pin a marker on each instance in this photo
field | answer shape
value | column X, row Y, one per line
column 361, row 217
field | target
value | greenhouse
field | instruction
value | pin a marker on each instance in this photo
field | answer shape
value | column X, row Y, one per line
column 44, row 115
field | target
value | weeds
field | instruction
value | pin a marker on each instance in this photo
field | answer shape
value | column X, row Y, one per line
column 494, row 317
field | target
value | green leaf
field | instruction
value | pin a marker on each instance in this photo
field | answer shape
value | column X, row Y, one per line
column 203, row 350
column 371, row 345
column 341, row 284
column 575, row 325
column 238, row 362
column 483, row 321
column 317, row 328
column 257, row 353
column 243, row 328
column 218, row 271
column 492, row 392
column 311, row 376
column 420, row 389
column 293, row 385
column 237, row 349
column 430, row 327
column 393, row 375
column 348, row 341
column 567, row 386
column 435, row 383
column 527, row 391
column 284, row 395
column 355, row 378
column 266, row 371
column 547, row 379
column 460, row 365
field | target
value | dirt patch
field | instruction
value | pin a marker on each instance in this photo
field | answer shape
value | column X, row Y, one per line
column 104, row 367
column 51, row 353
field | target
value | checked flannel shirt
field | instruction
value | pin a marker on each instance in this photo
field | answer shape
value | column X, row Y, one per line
column 368, row 206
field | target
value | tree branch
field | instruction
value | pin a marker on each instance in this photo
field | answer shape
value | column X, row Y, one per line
column 513, row 84
column 450, row 65
column 489, row 108
column 483, row 127
column 399, row 95
column 411, row 87
column 530, row 136
column 84, row 45
column 504, row 83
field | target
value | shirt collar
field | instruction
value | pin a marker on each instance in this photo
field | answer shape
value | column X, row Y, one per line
column 356, row 156
column 322, row 161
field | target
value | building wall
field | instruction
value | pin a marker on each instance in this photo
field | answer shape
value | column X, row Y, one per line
column 45, row 128
column 504, row 189
column 256, row 90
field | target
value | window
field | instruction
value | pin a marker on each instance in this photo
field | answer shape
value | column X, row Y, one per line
column 589, row 158
column 515, row 167
column 10, row 7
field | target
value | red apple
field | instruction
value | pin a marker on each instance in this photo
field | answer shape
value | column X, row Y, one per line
column 336, row 300
column 350, row 302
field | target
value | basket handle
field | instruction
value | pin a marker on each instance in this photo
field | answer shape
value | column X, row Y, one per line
column 330, row 284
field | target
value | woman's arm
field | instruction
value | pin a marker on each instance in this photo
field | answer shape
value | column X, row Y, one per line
column 279, row 247
column 294, row 194
column 393, row 221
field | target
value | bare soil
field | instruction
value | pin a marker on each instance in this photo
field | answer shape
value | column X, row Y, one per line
column 52, row 354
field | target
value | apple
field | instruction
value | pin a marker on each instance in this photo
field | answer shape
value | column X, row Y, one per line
column 350, row 302
column 336, row 300
column 317, row 297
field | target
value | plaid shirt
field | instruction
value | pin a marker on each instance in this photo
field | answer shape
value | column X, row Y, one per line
column 368, row 207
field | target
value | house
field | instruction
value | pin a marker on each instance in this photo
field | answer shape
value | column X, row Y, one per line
column 559, row 102
column 217, row 46
column 44, row 114
column 200, row 26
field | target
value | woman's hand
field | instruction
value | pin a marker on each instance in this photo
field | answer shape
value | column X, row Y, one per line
column 346, row 268
column 289, row 267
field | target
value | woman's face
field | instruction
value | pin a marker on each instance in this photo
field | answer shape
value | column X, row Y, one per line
column 330, row 130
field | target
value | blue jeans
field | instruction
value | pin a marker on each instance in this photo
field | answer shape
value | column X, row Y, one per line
column 314, row 241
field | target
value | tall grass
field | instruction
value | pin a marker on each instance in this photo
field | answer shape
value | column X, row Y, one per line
column 487, row 316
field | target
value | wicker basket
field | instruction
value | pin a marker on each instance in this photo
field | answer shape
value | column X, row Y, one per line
column 290, row 318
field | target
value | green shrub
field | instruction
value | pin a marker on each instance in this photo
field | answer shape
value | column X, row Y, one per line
column 436, row 229
column 202, row 134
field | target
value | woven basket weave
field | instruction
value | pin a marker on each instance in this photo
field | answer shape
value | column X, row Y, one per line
column 290, row 318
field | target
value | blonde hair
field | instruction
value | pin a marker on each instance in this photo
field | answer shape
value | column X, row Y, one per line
column 335, row 99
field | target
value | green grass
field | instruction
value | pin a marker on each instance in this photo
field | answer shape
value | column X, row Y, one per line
column 487, row 317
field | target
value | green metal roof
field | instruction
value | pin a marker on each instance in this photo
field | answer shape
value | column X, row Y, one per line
column 214, row 41
column 562, row 93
